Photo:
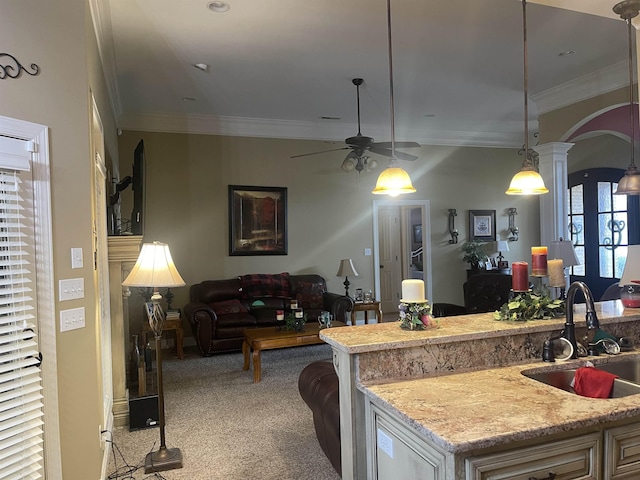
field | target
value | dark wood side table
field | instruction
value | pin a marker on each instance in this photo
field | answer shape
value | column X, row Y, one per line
column 366, row 308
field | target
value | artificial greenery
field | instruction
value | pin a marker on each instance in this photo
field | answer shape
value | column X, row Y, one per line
column 293, row 323
column 415, row 316
column 474, row 253
column 536, row 305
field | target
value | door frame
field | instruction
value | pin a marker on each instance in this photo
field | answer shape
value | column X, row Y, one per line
column 426, row 243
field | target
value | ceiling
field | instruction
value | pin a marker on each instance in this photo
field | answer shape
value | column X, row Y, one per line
column 277, row 68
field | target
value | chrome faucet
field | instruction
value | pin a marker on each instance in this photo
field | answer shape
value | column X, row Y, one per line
column 592, row 320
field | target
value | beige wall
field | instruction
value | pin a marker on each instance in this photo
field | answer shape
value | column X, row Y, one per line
column 330, row 211
column 57, row 36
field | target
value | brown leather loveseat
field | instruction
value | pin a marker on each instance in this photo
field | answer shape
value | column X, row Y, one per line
column 219, row 310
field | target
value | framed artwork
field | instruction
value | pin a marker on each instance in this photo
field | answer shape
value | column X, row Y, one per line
column 257, row 220
column 482, row 225
column 417, row 233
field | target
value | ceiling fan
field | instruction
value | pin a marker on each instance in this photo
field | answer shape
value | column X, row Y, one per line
column 361, row 144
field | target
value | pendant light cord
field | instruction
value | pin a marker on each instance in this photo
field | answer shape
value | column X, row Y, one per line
column 632, row 117
column 525, row 84
column 393, row 134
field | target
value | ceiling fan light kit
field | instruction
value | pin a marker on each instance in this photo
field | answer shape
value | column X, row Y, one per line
column 528, row 180
column 630, row 183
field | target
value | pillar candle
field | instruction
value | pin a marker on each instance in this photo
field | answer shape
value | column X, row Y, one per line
column 413, row 291
column 556, row 272
column 520, row 276
column 299, row 313
column 539, row 261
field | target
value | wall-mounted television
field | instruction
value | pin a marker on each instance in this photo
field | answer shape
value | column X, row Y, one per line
column 135, row 224
column 137, row 184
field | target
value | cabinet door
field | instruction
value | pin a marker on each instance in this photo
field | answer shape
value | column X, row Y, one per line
column 398, row 452
column 571, row 459
column 622, row 452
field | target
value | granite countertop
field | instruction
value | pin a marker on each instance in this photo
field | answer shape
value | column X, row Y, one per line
column 388, row 336
column 467, row 411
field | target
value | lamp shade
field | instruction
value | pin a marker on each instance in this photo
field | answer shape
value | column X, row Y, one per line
column 502, row 246
column 527, row 182
column 154, row 268
column 346, row 268
column 630, row 183
column 563, row 250
column 393, row 181
column 631, row 272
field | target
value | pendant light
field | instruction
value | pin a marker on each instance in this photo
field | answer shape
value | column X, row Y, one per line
column 528, row 180
column 630, row 183
column 393, row 180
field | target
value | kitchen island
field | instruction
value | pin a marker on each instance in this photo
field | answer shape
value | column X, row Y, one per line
column 422, row 379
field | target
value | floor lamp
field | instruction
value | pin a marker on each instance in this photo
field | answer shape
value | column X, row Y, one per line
column 155, row 268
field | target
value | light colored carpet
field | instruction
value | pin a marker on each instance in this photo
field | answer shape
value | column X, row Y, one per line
column 227, row 427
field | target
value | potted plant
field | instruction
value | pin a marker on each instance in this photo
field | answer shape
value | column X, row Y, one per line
column 474, row 254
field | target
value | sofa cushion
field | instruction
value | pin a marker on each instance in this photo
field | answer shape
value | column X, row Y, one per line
column 228, row 306
column 266, row 285
column 310, row 295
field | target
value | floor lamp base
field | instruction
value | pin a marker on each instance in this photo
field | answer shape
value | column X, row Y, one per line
column 163, row 459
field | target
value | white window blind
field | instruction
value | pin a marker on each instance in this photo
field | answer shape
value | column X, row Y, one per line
column 21, row 399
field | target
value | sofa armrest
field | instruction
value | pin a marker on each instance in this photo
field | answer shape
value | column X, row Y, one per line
column 338, row 305
column 447, row 310
column 203, row 322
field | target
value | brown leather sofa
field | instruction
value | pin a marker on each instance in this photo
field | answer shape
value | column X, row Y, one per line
column 219, row 310
column 319, row 388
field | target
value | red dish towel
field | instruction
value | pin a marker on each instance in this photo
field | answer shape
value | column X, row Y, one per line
column 594, row 383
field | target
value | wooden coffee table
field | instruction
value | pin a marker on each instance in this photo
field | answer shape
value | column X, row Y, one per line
column 269, row 338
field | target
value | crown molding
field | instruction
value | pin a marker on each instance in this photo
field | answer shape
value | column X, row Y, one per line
column 269, row 128
column 582, row 88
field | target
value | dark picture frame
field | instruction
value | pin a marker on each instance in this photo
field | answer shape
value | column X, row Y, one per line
column 257, row 220
column 417, row 233
column 482, row 225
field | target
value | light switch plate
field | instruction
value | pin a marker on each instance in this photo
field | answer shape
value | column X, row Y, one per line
column 367, row 252
column 71, row 289
column 71, row 319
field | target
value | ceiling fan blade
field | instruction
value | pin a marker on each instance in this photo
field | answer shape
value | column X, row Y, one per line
column 316, row 153
column 399, row 155
column 398, row 144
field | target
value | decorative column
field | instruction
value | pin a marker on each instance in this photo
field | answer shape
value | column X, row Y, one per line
column 123, row 253
column 553, row 205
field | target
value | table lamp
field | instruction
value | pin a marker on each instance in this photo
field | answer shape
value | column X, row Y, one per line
column 630, row 280
column 563, row 250
column 345, row 270
column 502, row 246
column 155, row 268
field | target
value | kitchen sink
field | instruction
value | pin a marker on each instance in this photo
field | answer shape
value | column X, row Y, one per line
column 622, row 387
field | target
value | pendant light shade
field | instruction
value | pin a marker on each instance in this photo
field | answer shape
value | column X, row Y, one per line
column 393, row 180
column 630, row 183
column 528, row 180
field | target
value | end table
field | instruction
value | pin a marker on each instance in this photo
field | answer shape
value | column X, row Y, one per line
column 366, row 308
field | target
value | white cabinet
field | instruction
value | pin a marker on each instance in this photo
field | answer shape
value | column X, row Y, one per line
column 573, row 458
column 396, row 450
column 399, row 453
column 622, row 452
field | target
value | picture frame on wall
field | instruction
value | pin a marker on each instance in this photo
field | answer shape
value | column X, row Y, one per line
column 257, row 220
column 482, row 225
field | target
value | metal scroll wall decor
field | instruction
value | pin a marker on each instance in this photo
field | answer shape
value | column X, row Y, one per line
column 13, row 68
column 452, row 226
column 512, row 225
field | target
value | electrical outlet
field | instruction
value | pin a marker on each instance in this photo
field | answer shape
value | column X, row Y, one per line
column 71, row 289
column 385, row 443
column 71, row 319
